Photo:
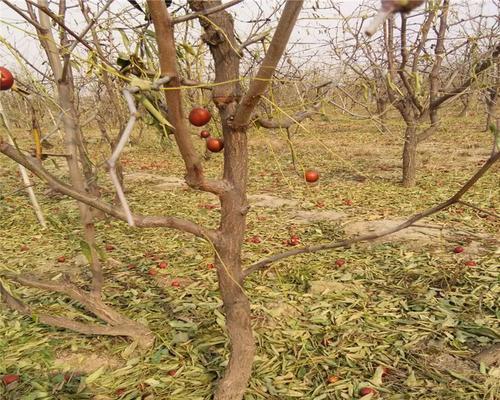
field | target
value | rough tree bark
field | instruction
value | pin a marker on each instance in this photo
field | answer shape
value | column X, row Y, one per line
column 235, row 114
column 72, row 139
column 410, row 157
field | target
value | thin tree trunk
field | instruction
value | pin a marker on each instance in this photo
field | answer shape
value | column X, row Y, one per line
column 78, row 179
column 382, row 113
column 466, row 101
column 410, row 157
column 24, row 174
column 491, row 102
column 234, row 208
column 72, row 140
column 237, row 311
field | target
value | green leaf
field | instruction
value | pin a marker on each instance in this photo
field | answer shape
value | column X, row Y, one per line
column 86, row 250
column 155, row 112
column 94, row 375
column 189, row 49
column 411, row 381
column 125, row 40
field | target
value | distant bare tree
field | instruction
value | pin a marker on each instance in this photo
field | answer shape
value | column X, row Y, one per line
column 416, row 81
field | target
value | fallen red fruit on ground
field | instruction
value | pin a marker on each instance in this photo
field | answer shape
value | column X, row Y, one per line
column 9, row 378
column 470, row 263
column 163, row 265
column 152, row 271
column 332, row 379
column 366, row 390
column 458, row 249
column 293, row 241
column 340, row 262
column 255, row 239
column 311, row 176
column 61, row 259
column 172, row 372
column 176, row 283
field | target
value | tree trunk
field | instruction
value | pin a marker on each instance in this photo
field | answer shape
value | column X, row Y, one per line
column 77, row 178
column 237, row 310
column 381, row 103
column 466, row 101
column 410, row 157
column 234, row 208
column 491, row 102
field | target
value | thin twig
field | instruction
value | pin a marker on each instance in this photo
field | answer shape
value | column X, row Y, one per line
column 127, row 131
column 81, row 36
column 204, row 13
column 482, row 210
column 34, row 166
column 24, row 175
column 288, row 121
column 57, row 20
column 22, row 14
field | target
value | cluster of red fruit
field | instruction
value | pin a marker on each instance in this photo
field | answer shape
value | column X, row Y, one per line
column 200, row 116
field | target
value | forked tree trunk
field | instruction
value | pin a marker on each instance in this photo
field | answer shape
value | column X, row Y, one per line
column 234, row 115
column 410, row 157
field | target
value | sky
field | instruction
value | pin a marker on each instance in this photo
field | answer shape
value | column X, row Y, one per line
column 306, row 32
column 309, row 39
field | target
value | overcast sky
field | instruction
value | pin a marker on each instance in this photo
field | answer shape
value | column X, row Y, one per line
column 309, row 36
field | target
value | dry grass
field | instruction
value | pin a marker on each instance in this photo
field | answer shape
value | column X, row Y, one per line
column 410, row 308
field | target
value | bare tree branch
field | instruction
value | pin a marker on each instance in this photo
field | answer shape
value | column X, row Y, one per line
column 205, row 12
column 58, row 21
column 481, row 67
column 143, row 336
column 261, row 81
column 162, row 22
column 139, row 220
column 22, row 14
column 82, row 35
column 288, row 121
